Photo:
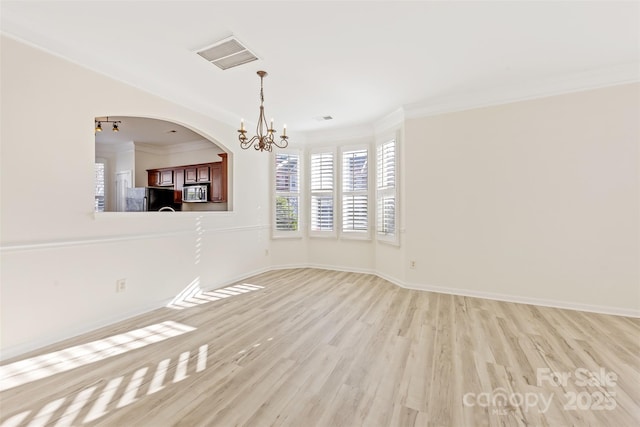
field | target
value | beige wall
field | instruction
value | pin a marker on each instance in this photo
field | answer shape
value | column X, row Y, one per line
column 531, row 201
column 60, row 263
column 537, row 200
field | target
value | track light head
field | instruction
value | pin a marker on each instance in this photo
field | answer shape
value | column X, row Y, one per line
column 99, row 127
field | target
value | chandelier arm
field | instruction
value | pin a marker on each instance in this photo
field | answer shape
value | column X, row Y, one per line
column 283, row 143
column 247, row 142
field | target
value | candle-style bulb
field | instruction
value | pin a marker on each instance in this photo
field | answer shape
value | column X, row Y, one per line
column 284, row 130
column 241, row 124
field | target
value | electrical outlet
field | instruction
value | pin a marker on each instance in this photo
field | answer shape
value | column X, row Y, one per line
column 412, row 264
column 121, row 285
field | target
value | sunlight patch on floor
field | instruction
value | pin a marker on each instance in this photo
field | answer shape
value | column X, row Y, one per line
column 193, row 295
column 109, row 395
column 38, row 367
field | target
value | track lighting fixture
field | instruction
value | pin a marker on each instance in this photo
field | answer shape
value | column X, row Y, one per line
column 115, row 127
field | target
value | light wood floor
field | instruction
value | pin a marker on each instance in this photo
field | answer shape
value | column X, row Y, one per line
column 323, row 348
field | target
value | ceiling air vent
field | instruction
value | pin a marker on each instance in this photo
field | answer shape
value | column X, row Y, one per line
column 227, row 53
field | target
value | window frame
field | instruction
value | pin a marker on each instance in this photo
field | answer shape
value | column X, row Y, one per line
column 103, row 162
column 286, row 234
column 355, row 234
column 393, row 239
column 334, row 192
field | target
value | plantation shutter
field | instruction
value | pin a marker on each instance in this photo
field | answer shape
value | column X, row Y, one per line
column 99, row 187
column 355, row 198
column 287, row 194
column 322, row 191
column 386, row 189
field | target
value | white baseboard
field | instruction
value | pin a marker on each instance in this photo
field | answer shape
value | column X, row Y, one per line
column 83, row 328
column 10, row 352
column 14, row 351
column 600, row 309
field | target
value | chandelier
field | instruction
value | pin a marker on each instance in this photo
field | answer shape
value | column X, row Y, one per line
column 261, row 141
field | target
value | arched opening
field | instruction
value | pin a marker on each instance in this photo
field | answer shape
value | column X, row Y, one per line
column 145, row 164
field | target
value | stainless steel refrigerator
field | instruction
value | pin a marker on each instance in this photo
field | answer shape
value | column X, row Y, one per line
column 142, row 199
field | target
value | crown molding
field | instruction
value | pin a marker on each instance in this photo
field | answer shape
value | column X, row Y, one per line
column 340, row 134
column 391, row 121
column 111, row 148
column 574, row 82
column 176, row 148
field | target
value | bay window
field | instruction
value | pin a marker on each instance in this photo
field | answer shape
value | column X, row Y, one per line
column 355, row 193
column 287, row 195
column 322, row 211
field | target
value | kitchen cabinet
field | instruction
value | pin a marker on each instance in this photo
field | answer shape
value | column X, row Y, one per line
column 178, row 177
column 196, row 174
column 214, row 175
column 154, row 178
column 160, row 177
column 218, row 191
column 166, row 177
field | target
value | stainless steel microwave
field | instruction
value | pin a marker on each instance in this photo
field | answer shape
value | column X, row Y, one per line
column 194, row 193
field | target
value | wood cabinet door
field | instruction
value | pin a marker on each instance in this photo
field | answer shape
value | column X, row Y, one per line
column 216, row 183
column 190, row 175
column 203, row 174
column 179, row 176
column 154, row 178
column 166, row 177
column 195, row 175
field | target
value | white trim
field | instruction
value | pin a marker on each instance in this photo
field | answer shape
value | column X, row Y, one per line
column 341, row 268
column 390, row 122
column 294, row 236
column 83, row 328
column 395, row 238
column 14, row 351
column 102, row 148
column 98, row 216
column 279, row 234
column 203, row 144
column 53, row 244
column 353, row 234
column 601, row 309
column 334, row 193
column 79, row 329
column 337, row 135
column 570, row 83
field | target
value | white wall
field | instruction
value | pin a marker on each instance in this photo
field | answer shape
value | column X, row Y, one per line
column 194, row 156
column 535, row 200
column 530, row 201
column 79, row 255
column 147, row 159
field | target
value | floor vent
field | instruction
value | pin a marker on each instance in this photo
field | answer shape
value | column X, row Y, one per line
column 227, row 53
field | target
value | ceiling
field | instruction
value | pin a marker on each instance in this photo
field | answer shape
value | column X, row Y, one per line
column 356, row 61
column 145, row 131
